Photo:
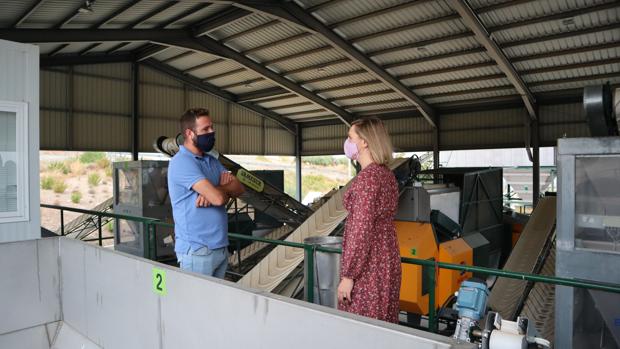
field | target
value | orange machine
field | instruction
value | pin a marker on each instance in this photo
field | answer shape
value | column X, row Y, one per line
column 418, row 240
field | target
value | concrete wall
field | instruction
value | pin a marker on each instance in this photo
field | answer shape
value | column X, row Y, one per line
column 29, row 293
column 106, row 299
column 19, row 82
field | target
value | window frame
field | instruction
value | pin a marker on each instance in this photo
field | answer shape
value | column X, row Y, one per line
column 21, row 149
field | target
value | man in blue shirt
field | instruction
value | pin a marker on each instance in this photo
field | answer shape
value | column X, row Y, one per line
column 199, row 189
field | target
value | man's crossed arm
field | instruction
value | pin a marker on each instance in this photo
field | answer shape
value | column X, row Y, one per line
column 208, row 194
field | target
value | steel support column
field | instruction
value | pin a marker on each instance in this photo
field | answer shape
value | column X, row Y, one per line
column 135, row 83
column 298, row 143
column 536, row 162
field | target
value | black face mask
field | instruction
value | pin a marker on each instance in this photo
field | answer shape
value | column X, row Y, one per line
column 205, row 142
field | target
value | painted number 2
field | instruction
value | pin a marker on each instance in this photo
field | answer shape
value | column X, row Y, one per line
column 159, row 281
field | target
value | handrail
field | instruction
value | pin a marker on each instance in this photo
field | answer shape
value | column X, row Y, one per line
column 310, row 250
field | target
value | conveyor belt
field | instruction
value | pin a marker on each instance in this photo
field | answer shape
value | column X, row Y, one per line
column 85, row 224
column 539, row 306
column 279, row 263
column 507, row 294
column 255, row 247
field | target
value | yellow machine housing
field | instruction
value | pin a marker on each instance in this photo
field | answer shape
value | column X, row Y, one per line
column 418, row 240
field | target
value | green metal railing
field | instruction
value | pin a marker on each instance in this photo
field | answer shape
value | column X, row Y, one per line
column 150, row 226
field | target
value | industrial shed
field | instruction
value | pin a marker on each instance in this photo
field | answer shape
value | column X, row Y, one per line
column 288, row 78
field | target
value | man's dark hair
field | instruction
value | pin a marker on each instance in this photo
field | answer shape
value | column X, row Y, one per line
column 188, row 119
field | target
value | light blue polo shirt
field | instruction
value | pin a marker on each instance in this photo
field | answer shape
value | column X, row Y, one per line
column 195, row 227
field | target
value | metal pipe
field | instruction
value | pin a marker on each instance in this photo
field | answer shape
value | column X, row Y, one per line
column 432, row 316
column 62, row 222
column 309, row 255
column 100, row 233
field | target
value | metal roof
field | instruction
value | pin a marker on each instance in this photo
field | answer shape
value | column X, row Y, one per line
column 423, row 54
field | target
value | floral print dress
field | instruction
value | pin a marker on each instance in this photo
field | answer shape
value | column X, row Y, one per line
column 370, row 252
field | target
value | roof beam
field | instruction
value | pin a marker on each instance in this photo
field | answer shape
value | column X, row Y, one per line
column 265, row 93
column 294, row 14
column 62, row 60
column 91, row 35
column 211, row 89
column 212, row 46
column 26, row 14
column 219, row 20
column 472, row 21
column 115, row 14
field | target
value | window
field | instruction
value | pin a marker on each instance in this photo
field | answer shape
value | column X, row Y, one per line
column 13, row 161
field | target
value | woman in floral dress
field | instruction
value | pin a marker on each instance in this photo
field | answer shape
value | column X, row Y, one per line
column 370, row 266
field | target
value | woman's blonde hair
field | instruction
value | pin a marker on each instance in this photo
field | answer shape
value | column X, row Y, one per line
column 376, row 136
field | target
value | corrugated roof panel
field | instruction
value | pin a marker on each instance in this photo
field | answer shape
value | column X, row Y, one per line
column 133, row 46
column 49, row 14
column 424, row 33
column 479, row 95
column 325, row 71
column 167, row 14
column 193, row 60
column 312, row 117
column 54, row 89
column 462, row 86
column 424, row 11
column 368, row 99
column 291, row 48
column 342, row 10
column 538, row 9
column 547, row 28
column 12, row 10
column 433, row 49
column 168, row 53
column 198, row 15
column 379, row 108
column 113, row 70
column 246, row 140
column 297, row 109
column 576, row 84
column 281, row 102
column 566, row 74
column 342, row 81
column 255, row 86
column 246, row 75
column 47, row 48
column 563, row 44
column 355, row 90
column 576, row 58
column 242, row 24
column 212, row 69
column 453, row 75
column 484, row 3
column 441, row 64
column 135, row 12
column 74, row 47
column 307, row 60
column 264, row 36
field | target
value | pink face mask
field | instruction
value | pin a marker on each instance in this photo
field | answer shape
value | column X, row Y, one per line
column 350, row 149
